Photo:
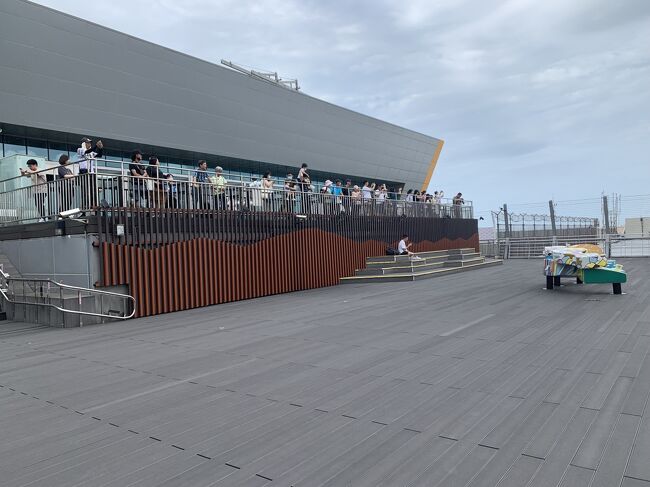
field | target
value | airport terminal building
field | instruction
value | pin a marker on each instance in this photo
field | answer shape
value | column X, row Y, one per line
column 172, row 237
column 64, row 78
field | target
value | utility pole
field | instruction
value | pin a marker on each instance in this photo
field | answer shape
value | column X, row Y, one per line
column 606, row 215
column 551, row 208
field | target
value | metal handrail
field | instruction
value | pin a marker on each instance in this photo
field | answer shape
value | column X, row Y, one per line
column 5, row 279
column 186, row 173
column 89, row 191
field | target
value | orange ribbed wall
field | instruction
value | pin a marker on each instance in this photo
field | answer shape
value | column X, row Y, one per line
column 205, row 271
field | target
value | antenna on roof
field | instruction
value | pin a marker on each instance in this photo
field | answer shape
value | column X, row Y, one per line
column 270, row 77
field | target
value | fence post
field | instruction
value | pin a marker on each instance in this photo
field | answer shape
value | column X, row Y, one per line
column 606, row 214
column 506, row 221
column 551, row 208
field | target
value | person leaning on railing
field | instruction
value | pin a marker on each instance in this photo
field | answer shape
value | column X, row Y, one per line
column 155, row 184
column 65, row 184
column 458, row 202
column 289, row 194
column 87, row 156
column 305, row 188
column 138, row 176
column 218, row 183
column 172, row 192
column 199, row 191
column 39, row 187
column 267, row 192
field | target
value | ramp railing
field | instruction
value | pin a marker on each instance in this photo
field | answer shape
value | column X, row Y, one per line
column 49, row 294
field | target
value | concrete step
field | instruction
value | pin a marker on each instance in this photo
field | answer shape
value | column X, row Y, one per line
column 400, row 268
column 429, row 254
column 404, row 260
column 464, row 250
column 464, row 263
column 416, row 276
column 466, row 256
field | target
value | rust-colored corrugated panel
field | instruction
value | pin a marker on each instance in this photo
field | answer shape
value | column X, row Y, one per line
column 199, row 277
column 139, row 279
column 218, row 273
column 188, row 271
column 195, row 298
column 119, row 277
column 227, row 273
column 237, row 275
column 113, row 265
column 183, row 270
column 207, row 252
column 159, row 283
column 202, row 271
column 253, row 265
column 215, row 269
column 176, row 292
column 154, row 281
column 242, row 276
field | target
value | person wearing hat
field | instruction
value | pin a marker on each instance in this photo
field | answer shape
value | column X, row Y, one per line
column 355, row 199
column 39, row 187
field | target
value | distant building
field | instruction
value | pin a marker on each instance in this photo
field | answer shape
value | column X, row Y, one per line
column 637, row 226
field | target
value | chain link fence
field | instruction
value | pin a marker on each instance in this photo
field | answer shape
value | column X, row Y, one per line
column 618, row 223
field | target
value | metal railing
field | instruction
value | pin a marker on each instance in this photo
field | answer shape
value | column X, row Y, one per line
column 47, row 293
column 614, row 246
column 113, row 167
column 88, row 191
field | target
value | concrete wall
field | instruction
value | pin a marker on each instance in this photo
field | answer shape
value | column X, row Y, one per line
column 61, row 73
column 70, row 259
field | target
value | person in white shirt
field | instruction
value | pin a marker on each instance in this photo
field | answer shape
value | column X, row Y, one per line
column 403, row 248
column 39, row 187
column 255, row 195
column 86, row 157
column 367, row 190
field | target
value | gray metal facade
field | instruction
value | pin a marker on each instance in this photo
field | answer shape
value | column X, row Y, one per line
column 58, row 72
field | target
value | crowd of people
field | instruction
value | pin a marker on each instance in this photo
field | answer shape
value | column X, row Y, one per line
column 148, row 186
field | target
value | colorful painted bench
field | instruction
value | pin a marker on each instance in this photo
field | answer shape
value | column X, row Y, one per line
column 585, row 263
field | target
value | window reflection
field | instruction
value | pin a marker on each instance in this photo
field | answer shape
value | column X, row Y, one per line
column 14, row 145
column 37, row 148
column 56, row 149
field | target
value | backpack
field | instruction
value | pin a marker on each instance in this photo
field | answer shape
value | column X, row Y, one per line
column 391, row 251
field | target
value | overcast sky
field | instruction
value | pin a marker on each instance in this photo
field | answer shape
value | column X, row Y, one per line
column 534, row 99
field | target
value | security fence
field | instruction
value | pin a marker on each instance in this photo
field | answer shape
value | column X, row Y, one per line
column 614, row 246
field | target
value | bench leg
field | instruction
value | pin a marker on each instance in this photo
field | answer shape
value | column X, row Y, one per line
column 556, row 280
column 549, row 282
column 617, row 288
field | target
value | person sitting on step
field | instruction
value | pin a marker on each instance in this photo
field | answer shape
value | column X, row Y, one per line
column 403, row 248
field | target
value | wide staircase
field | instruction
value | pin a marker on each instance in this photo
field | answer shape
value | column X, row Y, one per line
column 391, row 268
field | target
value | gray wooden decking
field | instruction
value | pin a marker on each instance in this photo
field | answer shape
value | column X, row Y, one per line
column 477, row 379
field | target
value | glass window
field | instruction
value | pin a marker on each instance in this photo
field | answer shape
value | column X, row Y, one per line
column 37, row 148
column 113, row 155
column 56, row 149
column 14, row 145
